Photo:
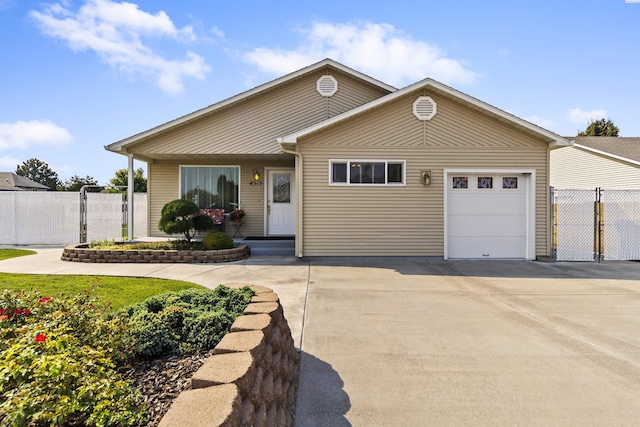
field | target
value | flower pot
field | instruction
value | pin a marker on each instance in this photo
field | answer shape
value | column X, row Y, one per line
column 237, row 219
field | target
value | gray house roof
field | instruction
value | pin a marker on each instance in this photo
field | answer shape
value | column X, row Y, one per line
column 627, row 148
column 10, row 181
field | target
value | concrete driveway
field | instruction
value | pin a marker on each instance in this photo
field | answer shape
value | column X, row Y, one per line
column 392, row 342
column 408, row 342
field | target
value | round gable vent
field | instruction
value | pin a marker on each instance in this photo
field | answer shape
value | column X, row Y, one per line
column 327, row 86
column 424, row 108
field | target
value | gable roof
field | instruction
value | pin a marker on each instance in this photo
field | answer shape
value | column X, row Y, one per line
column 119, row 145
column 617, row 147
column 554, row 139
column 10, row 181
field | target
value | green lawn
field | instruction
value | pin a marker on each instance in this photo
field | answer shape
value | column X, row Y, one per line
column 119, row 291
column 13, row 253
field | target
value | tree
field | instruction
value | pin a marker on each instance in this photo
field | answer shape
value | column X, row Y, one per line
column 121, row 178
column 601, row 127
column 75, row 183
column 40, row 172
column 183, row 216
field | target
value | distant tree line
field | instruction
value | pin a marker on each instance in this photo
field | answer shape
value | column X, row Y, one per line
column 40, row 172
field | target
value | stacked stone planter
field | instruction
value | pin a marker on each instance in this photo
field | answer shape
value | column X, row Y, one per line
column 252, row 377
column 82, row 253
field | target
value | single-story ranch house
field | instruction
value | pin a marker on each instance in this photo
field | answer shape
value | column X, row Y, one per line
column 351, row 166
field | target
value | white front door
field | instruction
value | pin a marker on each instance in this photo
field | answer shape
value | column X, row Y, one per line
column 281, row 206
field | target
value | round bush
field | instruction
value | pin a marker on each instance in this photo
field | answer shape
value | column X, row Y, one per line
column 217, row 240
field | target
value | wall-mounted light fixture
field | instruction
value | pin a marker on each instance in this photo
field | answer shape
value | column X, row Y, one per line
column 425, row 177
column 257, row 178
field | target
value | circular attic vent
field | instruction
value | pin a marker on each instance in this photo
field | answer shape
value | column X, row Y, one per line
column 424, row 108
column 327, row 86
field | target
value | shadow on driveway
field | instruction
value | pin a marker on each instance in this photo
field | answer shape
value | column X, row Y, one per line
column 434, row 266
column 322, row 400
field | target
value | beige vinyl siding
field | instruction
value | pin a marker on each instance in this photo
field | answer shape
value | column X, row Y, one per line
column 407, row 220
column 574, row 167
column 164, row 186
column 252, row 125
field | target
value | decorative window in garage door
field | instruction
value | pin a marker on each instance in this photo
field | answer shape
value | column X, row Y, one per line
column 460, row 182
column 485, row 182
column 510, row 182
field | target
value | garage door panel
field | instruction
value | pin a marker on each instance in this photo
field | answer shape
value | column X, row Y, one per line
column 484, row 204
column 485, row 247
column 486, row 226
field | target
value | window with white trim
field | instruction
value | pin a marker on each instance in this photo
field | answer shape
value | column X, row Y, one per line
column 210, row 186
column 367, row 172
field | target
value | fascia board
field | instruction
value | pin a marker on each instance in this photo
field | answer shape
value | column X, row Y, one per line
column 118, row 146
column 606, row 154
column 557, row 140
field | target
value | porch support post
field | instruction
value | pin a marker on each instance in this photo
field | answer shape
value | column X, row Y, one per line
column 130, row 191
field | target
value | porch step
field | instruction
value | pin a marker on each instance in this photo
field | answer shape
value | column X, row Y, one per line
column 270, row 247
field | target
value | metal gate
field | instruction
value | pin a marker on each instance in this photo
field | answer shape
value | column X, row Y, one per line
column 594, row 225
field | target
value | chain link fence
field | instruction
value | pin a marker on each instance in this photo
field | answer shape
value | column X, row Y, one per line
column 597, row 224
column 61, row 218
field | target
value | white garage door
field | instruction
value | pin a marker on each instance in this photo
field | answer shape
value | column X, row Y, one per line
column 487, row 215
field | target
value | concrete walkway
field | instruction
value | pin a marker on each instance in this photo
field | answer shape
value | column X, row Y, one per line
column 415, row 341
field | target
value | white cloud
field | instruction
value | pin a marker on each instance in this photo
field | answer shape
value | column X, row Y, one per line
column 379, row 50
column 115, row 31
column 541, row 121
column 9, row 163
column 23, row 134
column 577, row 115
column 218, row 32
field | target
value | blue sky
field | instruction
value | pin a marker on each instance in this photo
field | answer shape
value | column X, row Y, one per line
column 78, row 75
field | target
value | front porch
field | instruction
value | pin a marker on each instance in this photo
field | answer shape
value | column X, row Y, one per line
column 268, row 245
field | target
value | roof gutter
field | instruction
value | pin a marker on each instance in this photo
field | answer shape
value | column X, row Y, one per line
column 299, row 204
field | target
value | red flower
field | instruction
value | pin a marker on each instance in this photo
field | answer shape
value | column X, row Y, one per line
column 41, row 338
column 17, row 311
column 44, row 300
column 26, row 312
column 1, row 310
column 4, row 316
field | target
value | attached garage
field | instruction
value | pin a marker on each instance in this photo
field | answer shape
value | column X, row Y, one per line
column 489, row 214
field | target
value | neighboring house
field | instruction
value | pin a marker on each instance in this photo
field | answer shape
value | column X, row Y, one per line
column 597, row 161
column 354, row 167
column 10, row 181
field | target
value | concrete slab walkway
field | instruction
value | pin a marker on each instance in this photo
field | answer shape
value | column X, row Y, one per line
column 415, row 341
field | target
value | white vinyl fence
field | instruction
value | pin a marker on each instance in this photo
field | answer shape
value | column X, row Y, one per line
column 62, row 218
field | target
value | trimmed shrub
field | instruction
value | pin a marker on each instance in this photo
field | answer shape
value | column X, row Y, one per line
column 183, row 216
column 185, row 321
column 217, row 240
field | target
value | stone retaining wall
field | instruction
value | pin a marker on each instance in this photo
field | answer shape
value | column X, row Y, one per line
column 82, row 253
column 252, row 377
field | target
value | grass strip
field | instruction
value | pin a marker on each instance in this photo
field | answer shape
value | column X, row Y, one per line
column 14, row 253
column 115, row 290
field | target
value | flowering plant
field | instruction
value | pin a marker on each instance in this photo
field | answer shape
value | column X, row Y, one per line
column 237, row 212
column 58, row 363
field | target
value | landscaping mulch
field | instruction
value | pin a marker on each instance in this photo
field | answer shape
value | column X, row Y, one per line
column 161, row 380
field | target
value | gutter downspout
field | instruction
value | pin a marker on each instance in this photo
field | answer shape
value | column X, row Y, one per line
column 299, row 203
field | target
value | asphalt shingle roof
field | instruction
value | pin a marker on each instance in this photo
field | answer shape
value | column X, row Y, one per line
column 627, row 147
